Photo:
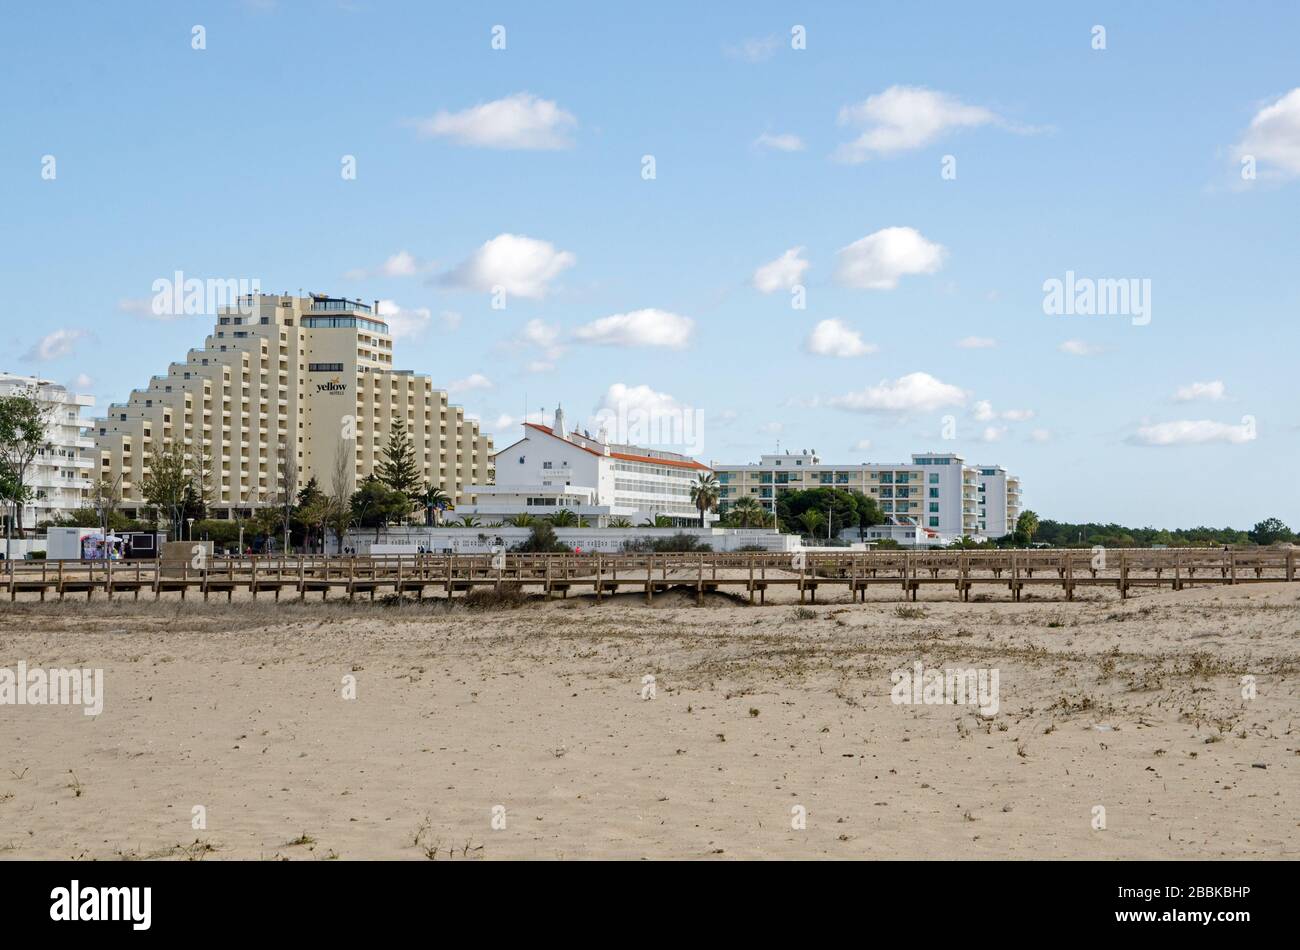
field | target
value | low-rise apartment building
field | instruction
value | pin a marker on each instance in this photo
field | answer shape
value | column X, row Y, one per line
column 937, row 491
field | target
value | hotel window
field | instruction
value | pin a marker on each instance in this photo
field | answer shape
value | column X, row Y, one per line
column 934, row 522
column 934, row 493
column 324, row 367
column 934, row 478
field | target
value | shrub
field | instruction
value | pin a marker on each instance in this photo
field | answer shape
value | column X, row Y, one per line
column 541, row 540
column 506, row 597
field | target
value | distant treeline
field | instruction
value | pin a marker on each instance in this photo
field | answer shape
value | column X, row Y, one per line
column 1065, row 534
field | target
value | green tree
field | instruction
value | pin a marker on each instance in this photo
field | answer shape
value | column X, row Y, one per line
column 375, row 504
column 522, row 520
column 398, row 469
column 704, row 494
column 814, row 522
column 24, row 420
column 619, row 522
column 434, row 500
column 658, row 521
column 167, row 486
column 1270, row 531
column 746, row 512
column 564, row 518
column 541, row 540
column 1026, row 526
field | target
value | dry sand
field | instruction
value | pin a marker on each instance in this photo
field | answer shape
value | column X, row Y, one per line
column 1135, row 706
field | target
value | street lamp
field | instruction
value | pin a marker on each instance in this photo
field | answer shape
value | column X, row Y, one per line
column 190, row 522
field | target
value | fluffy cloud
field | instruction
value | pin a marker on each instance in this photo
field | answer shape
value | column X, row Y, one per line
column 879, row 260
column 401, row 264
column 543, row 338
column 521, row 121
column 915, row 392
column 993, row 433
column 977, row 343
column 523, row 266
column 56, row 345
column 404, row 323
column 906, row 117
column 471, row 382
column 1213, row 391
column 622, row 401
column 783, row 273
column 81, row 382
column 638, row 328
column 1273, row 137
column 1081, row 348
column 781, row 142
column 836, row 338
column 1194, row 432
column 862, row 445
column 1040, row 435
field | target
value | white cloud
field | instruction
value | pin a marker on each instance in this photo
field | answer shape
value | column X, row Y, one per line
column 520, row 121
column 983, row 411
column 1193, row 432
column 523, row 266
column 82, row 382
column 754, row 49
column 993, row 433
column 1273, row 137
column 977, row 343
column 450, row 319
column 1040, row 435
column 780, row 142
column 622, row 401
column 906, row 117
column 539, row 366
column 471, row 382
column 772, row 428
column 55, row 345
column 836, row 338
column 862, row 445
column 1081, row 348
column 404, row 323
column 879, row 260
column 544, row 338
column 506, row 421
column 781, row 274
column 1017, row 415
column 1213, row 391
column 401, row 264
column 915, row 392
column 639, row 328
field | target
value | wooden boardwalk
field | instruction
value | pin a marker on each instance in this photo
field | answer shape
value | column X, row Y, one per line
column 601, row 575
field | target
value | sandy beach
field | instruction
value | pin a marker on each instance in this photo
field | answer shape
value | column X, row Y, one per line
column 769, row 732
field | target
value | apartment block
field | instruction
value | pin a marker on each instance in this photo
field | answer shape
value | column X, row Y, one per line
column 62, row 474
column 936, row 492
column 286, row 382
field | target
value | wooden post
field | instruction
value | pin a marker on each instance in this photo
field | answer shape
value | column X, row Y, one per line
column 1123, row 575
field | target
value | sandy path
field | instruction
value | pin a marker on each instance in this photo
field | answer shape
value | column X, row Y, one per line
column 1135, row 706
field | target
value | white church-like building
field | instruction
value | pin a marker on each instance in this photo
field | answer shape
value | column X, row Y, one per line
column 550, row 469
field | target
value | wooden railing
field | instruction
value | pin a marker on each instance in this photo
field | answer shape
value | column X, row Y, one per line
column 607, row 573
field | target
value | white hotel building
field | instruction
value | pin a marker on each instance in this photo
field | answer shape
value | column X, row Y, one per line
column 62, row 474
column 935, row 498
column 551, row 469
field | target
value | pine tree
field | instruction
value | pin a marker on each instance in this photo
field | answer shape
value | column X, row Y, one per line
column 398, row 469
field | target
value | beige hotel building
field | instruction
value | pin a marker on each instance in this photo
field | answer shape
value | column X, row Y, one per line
column 307, row 377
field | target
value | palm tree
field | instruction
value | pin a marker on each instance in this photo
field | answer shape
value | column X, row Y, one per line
column 704, row 493
column 434, row 500
column 813, row 520
column 658, row 521
column 469, row 521
column 522, row 520
column 619, row 523
column 748, row 512
column 564, row 518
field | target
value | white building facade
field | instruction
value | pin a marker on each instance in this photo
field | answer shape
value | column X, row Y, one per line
column 62, row 474
column 933, row 499
column 551, row 468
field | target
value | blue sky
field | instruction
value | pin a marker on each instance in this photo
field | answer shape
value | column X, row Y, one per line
column 1122, row 162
